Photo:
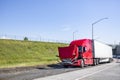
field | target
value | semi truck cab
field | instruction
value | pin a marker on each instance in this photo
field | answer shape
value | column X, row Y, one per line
column 78, row 53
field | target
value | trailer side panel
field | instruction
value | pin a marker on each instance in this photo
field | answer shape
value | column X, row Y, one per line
column 102, row 50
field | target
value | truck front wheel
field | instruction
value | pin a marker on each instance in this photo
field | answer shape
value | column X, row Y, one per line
column 82, row 64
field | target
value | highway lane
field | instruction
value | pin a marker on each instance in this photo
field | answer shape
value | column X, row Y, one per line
column 57, row 72
column 110, row 71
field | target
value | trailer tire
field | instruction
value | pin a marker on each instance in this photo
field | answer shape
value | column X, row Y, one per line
column 82, row 64
column 94, row 62
column 110, row 60
column 97, row 61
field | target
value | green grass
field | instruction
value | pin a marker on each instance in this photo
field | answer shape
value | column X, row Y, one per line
column 14, row 53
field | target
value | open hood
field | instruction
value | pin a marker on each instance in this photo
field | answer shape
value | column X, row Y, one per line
column 70, row 52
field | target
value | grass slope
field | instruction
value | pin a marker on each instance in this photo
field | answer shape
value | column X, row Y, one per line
column 14, row 53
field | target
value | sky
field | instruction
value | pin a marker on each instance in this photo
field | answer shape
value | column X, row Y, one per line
column 61, row 19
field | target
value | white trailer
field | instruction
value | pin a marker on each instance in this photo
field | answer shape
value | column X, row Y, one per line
column 102, row 52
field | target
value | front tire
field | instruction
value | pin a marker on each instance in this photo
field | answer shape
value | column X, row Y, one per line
column 82, row 64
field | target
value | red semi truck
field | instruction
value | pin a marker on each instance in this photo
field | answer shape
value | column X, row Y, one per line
column 85, row 52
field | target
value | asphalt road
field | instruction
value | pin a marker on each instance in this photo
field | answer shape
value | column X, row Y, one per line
column 35, row 72
column 109, row 71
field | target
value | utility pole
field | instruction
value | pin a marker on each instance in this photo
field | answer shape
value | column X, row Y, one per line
column 74, row 34
column 94, row 24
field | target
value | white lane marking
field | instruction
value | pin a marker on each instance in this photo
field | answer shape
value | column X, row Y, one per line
column 93, row 73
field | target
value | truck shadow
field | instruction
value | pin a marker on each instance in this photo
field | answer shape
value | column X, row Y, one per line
column 56, row 66
column 60, row 66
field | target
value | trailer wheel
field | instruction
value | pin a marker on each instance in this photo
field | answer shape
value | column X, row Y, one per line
column 97, row 61
column 82, row 64
column 110, row 60
column 94, row 62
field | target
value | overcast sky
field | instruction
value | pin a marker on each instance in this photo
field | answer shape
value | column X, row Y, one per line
column 59, row 19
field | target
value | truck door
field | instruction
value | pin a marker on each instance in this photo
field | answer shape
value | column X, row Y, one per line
column 81, row 51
